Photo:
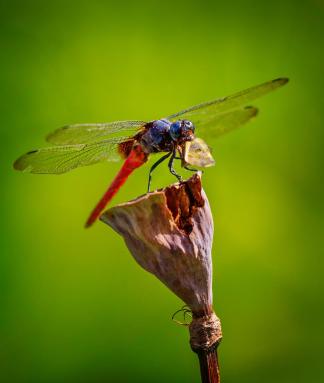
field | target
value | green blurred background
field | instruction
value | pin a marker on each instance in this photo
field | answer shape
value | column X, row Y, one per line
column 75, row 307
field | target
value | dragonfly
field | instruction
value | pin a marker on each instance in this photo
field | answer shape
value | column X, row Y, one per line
column 134, row 141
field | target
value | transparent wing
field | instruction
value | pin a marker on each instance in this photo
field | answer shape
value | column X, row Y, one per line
column 197, row 153
column 85, row 133
column 216, row 125
column 225, row 104
column 61, row 159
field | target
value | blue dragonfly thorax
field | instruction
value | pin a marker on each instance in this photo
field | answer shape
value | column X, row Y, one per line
column 163, row 136
column 159, row 131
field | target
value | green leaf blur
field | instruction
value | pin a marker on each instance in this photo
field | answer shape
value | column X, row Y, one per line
column 75, row 307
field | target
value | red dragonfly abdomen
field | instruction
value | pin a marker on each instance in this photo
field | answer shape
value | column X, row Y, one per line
column 136, row 158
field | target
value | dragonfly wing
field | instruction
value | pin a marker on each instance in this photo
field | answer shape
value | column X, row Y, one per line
column 61, row 159
column 216, row 125
column 226, row 104
column 85, row 133
column 197, row 153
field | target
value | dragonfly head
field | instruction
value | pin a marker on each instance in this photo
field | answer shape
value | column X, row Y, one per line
column 182, row 131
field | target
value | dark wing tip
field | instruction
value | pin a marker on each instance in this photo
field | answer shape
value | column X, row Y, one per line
column 18, row 164
column 50, row 136
column 253, row 110
column 21, row 164
column 281, row 80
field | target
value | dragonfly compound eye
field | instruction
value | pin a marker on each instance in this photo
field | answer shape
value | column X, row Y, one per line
column 175, row 130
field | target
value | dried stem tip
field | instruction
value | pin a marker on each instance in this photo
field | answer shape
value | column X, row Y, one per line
column 169, row 233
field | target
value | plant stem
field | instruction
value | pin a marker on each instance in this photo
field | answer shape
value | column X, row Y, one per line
column 208, row 360
column 209, row 369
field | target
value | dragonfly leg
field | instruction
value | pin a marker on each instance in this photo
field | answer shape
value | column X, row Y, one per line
column 157, row 163
column 170, row 165
column 190, row 169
